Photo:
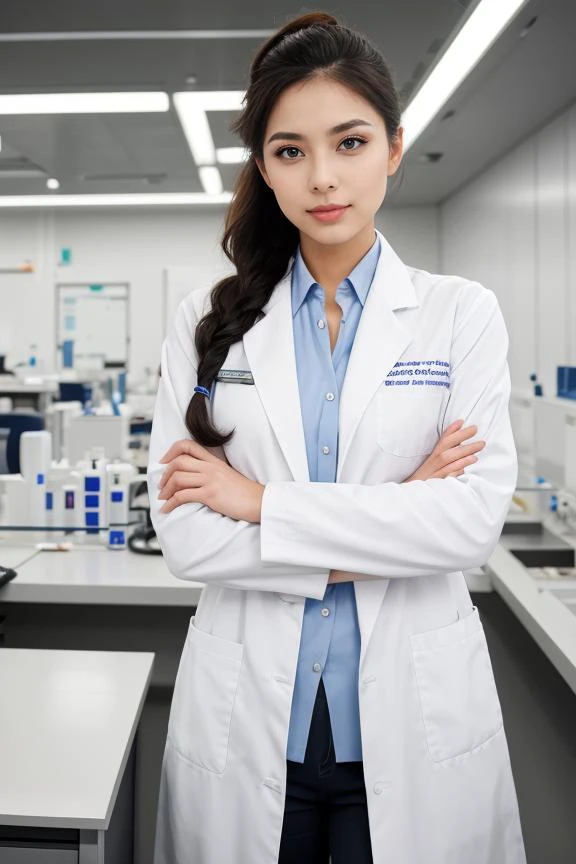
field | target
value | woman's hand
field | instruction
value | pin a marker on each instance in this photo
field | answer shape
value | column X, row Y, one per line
column 194, row 474
column 449, row 459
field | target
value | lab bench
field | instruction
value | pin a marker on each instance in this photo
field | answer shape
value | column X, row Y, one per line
column 104, row 600
column 68, row 727
column 98, row 599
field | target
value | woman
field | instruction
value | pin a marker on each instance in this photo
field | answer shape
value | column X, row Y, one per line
column 335, row 696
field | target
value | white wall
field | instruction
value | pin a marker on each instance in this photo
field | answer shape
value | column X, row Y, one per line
column 135, row 247
column 514, row 229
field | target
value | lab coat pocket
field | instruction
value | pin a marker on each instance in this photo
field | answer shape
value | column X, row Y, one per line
column 456, row 687
column 407, row 419
column 203, row 700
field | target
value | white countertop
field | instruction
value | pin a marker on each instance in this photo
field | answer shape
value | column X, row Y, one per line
column 67, row 723
column 30, row 384
column 14, row 556
column 96, row 575
column 550, row 623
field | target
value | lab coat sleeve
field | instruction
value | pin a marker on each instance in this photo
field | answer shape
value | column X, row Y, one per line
column 425, row 526
column 198, row 543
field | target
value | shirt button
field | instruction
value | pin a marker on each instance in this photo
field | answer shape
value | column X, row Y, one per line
column 326, row 450
column 325, row 612
column 321, row 324
column 317, row 667
column 329, row 396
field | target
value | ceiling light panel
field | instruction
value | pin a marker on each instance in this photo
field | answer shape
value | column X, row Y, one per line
column 84, row 103
column 139, row 200
column 192, row 111
column 479, row 32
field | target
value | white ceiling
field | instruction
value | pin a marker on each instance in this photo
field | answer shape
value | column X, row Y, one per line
column 519, row 86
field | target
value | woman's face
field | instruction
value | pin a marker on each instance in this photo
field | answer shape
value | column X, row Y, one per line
column 310, row 164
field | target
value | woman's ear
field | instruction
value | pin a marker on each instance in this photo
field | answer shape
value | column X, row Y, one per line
column 262, row 170
column 396, row 151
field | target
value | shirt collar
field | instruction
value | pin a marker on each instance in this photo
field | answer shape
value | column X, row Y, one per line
column 360, row 279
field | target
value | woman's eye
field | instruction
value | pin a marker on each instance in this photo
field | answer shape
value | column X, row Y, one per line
column 292, row 152
column 353, row 138
column 285, row 150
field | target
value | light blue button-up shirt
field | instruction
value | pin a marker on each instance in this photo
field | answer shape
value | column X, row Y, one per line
column 330, row 640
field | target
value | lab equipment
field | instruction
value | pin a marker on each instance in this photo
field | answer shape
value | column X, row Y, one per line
column 538, row 390
column 35, row 460
column 6, row 575
column 60, row 498
column 566, row 382
column 95, row 494
column 17, row 423
column 108, row 432
column 71, row 506
column 118, row 516
column 58, row 422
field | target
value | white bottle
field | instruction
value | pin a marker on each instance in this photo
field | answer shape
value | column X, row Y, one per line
column 35, row 461
column 94, row 494
column 70, row 506
column 118, row 514
column 58, row 475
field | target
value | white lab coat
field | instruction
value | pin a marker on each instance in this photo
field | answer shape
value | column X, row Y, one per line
column 438, row 777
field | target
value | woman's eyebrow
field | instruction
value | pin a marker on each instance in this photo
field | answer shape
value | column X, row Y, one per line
column 342, row 127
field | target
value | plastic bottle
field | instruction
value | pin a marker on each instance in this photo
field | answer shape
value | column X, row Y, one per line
column 94, row 490
column 543, row 497
column 117, row 513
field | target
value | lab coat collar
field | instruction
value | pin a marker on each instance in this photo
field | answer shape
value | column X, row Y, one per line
column 380, row 340
column 359, row 279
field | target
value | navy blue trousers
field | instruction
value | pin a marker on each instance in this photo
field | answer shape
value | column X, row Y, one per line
column 325, row 813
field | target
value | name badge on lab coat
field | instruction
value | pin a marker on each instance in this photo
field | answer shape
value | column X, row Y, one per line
column 235, row 376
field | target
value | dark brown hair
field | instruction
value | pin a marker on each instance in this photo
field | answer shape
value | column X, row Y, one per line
column 258, row 239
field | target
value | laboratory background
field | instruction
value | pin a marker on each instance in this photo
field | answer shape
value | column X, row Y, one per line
column 116, row 167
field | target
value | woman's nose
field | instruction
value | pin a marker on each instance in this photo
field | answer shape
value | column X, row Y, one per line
column 322, row 177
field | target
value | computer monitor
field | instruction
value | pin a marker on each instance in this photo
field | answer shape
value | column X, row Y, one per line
column 570, row 453
column 552, row 418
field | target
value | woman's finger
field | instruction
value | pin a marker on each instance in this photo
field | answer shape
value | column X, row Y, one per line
column 181, row 480
column 180, row 463
column 183, row 496
column 459, row 435
column 454, row 469
column 461, row 451
column 186, row 446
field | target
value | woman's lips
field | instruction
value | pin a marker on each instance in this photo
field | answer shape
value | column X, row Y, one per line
column 329, row 215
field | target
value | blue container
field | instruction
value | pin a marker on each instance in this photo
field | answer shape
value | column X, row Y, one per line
column 566, row 382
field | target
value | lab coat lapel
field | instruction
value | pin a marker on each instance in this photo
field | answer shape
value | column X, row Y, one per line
column 269, row 347
column 381, row 338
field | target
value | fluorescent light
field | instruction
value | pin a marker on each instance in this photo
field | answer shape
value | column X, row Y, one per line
column 477, row 35
column 231, row 155
column 196, row 129
column 145, row 199
column 211, row 179
column 83, row 103
column 191, row 108
column 211, row 100
column 126, row 35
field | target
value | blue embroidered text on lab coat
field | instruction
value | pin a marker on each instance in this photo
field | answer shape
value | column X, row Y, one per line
column 424, row 373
